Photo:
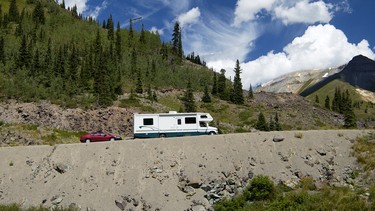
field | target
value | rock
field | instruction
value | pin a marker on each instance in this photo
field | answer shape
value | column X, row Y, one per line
column 121, row 204
column 56, row 200
column 321, row 151
column 206, row 187
column 290, row 183
column 277, row 139
column 61, row 168
column 195, row 183
column 198, row 208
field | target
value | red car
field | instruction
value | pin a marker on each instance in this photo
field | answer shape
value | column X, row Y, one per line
column 99, row 136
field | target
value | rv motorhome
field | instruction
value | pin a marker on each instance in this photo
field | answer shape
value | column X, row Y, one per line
column 172, row 124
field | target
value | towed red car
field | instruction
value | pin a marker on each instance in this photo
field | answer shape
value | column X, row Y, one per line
column 99, row 136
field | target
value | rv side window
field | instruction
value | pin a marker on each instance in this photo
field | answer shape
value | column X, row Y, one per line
column 148, row 121
column 203, row 116
column 190, row 120
column 179, row 121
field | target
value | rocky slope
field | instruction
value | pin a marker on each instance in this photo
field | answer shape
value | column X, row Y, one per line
column 173, row 173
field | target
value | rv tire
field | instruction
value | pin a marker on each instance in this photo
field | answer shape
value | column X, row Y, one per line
column 211, row 133
column 162, row 135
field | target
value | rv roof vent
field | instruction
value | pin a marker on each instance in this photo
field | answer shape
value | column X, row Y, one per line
column 173, row 112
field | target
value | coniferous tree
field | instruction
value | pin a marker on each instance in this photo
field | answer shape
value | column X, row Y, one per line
column 271, row 124
column 180, row 51
column 13, row 14
column 1, row 17
column 176, row 36
column 214, row 85
column 142, row 38
column 2, row 51
column 327, row 103
column 221, row 86
column 316, row 99
column 131, row 33
column 110, row 28
column 237, row 92
column 23, row 54
column 36, row 64
column 277, row 123
column 251, row 93
column 188, row 99
column 261, row 124
column 63, row 4
column 133, row 63
column 38, row 14
column 206, row 96
column 139, row 86
column 118, row 42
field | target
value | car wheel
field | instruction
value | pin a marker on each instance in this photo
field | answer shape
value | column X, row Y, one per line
column 112, row 139
column 211, row 133
column 162, row 135
column 88, row 140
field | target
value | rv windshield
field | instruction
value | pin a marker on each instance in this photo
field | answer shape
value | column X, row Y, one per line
column 203, row 124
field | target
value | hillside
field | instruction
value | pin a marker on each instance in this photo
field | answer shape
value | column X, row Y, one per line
column 171, row 174
column 48, row 52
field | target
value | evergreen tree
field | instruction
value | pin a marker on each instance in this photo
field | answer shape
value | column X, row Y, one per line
column 251, row 93
column 180, row 52
column 154, row 97
column 188, row 99
column 206, row 96
column 2, row 51
column 327, row 103
column 110, row 28
column 237, row 92
column 118, row 42
column 139, row 86
column 221, row 86
column 36, row 64
column 142, row 38
column 277, row 124
column 102, row 82
column 13, row 14
column 63, row 4
column 214, row 85
column 1, row 17
column 38, row 14
column 271, row 124
column 316, row 99
column 261, row 124
column 23, row 54
column 133, row 63
column 176, row 36
column 131, row 33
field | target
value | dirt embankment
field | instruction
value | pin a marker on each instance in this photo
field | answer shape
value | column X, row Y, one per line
column 172, row 173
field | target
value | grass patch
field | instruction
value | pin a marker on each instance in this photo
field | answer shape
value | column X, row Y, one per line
column 298, row 135
column 17, row 207
column 364, row 150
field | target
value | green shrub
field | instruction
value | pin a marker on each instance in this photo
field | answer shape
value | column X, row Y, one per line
column 298, row 135
column 261, row 188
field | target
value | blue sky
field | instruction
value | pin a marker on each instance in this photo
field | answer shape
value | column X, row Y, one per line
column 269, row 37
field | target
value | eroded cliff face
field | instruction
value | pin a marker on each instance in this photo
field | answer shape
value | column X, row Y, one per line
column 171, row 173
column 112, row 119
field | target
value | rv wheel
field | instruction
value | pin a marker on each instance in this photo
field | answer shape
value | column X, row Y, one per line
column 211, row 133
column 162, row 135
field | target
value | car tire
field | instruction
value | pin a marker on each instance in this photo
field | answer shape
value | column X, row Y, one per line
column 112, row 139
column 211, row 133
column 162, row 135
column 88, row 140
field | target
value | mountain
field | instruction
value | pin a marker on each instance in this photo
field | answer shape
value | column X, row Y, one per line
column 296, row 81
column 359, row 72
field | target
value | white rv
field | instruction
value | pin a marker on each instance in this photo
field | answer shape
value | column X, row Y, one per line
column 172, row 124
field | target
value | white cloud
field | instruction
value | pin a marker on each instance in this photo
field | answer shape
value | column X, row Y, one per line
column 81, row 4
column 95, row 12
column 288, row 11
column 246, row 10
column 156, row 30
column 321, row 46
column 190, row 17
column 305, row 12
